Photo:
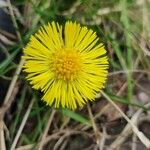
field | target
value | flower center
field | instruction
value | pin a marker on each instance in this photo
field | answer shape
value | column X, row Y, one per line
column 66, row 64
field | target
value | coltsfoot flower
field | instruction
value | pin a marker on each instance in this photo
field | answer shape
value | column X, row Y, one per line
column 68, row 64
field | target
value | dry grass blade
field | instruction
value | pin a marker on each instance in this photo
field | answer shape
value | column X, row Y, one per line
column 127, row 130
column 40, row 147
column 3, row 4
column 22, row 125
column 2, row 137
column 96, row 131
column 5, row 40
column 13, row 82
column 139, row 134
column 13, row 19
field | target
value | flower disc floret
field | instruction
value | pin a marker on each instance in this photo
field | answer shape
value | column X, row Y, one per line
column 66, row 64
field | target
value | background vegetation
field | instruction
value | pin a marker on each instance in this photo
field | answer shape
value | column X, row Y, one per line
column 26, row 123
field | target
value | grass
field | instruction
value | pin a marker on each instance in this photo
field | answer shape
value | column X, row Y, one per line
column 123, row 27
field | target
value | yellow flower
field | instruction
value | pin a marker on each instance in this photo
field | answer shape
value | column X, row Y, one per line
column 67, row 64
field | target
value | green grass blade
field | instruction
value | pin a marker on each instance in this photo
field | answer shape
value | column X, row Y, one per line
column 75, row 116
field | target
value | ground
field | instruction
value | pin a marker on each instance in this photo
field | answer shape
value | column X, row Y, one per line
column 119, row 112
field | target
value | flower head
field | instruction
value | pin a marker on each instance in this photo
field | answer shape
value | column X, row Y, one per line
column 67, row 64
